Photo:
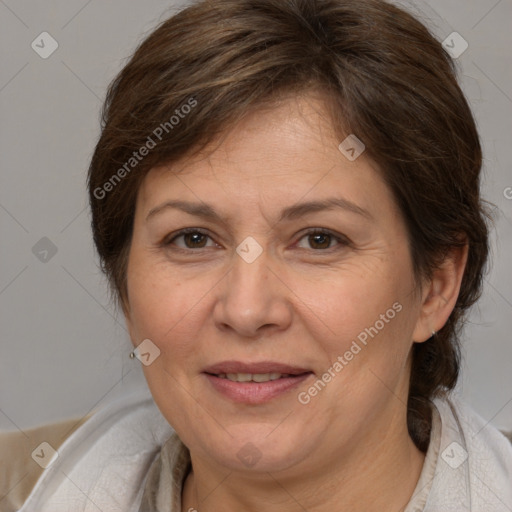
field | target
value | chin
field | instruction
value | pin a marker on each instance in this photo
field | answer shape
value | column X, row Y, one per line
column 258, row 448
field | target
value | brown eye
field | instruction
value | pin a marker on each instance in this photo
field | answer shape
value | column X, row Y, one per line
column 193, row 239
column 321, row 240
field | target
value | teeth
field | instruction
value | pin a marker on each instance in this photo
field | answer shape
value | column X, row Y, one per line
column 264, row 377
column 240, row 377
column 255, row 377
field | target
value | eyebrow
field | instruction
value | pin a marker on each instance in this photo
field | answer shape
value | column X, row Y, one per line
column 293, row 212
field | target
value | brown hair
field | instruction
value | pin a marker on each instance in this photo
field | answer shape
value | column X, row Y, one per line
column 386, row 79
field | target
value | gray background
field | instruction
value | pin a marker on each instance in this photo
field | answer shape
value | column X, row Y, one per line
column 64, row 350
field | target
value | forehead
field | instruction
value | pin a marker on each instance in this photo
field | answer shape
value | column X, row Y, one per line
column 275, row 155
column 285, row 130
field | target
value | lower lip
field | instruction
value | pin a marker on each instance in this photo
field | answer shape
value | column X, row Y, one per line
column 255, row 392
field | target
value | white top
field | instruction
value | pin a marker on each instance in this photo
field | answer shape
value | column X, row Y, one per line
column 127, row 458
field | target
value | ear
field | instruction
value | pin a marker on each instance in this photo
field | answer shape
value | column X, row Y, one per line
column 440, row 294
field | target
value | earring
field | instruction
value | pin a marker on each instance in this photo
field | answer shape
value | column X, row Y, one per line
column 433, row 334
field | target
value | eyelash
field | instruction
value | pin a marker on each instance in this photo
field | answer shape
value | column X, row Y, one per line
column 343, row 241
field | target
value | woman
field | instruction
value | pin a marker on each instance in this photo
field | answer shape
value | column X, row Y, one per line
column 285, row 199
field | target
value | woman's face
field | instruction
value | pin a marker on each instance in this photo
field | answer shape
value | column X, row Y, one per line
column 251, row 291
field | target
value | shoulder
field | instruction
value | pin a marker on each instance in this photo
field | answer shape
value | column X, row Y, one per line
column 482, row 434
column 24, row 455
column 104, row 461
column 474, row 468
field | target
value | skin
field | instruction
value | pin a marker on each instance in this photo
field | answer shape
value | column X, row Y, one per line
column 303, row 302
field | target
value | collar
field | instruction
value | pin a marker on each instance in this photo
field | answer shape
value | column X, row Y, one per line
column 127, row 456
column 468, row 467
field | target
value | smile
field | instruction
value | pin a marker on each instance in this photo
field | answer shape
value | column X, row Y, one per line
column 254, row 383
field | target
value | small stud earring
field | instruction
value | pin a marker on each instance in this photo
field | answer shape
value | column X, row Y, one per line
column 433, row 334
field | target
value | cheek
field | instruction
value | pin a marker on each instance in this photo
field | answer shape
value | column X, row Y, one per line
column 364, row 319
column 165, row 307
column 352, row 301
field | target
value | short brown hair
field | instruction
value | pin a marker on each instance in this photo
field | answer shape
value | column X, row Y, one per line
column 386, row 79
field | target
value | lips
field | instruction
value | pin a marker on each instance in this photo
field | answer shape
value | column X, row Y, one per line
column 254, row 383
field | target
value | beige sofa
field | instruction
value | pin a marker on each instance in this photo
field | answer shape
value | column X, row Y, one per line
column 19, row 472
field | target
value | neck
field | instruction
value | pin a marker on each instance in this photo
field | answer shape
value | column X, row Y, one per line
column 381, row 473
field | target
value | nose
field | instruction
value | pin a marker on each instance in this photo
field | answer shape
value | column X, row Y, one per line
column 253, row 300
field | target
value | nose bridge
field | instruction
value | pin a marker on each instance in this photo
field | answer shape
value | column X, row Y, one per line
column 252, row 297
column 249, row 277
